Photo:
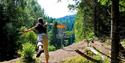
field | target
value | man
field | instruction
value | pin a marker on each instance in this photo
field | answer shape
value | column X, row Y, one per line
column 42, row 40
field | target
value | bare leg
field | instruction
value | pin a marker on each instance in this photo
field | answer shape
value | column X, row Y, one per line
column 45, row 46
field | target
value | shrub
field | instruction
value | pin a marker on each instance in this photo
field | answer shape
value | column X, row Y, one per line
column 27, row 51
column 28, row 37
column 90, row 36
column 51, row 48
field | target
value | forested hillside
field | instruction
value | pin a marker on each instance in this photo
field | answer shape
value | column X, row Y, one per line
column 101, row 19
column 68, row 32
column 69, row 21
column 93, row 19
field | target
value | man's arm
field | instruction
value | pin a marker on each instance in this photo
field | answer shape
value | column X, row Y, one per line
column 30, row 29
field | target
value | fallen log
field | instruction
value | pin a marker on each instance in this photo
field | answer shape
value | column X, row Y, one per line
column 86, row 56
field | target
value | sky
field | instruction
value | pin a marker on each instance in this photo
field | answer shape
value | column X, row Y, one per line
column 55, row 9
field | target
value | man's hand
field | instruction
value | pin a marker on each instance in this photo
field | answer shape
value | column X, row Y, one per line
column 25, row 30
column 46, row 23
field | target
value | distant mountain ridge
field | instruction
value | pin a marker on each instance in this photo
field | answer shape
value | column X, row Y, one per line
column 66, row 17
column 69, row 20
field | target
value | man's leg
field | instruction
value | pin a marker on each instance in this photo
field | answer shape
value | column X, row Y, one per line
column 45, row 46
column 40, row 49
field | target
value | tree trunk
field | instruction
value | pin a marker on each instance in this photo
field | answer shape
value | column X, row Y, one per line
column 115, row 39
column 95, row 18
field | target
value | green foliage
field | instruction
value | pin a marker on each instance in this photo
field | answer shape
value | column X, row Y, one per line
column 83, row 24
column 79, row 30
column 122, row 5
column 123, row 42
column 51, row 48
column 27, row 51
column 69, row 33
column 53, row 36
column 13, row 15
column 86, row 25
column 28, row 37
column 103, row 2
column 90, row 36
column 69, row 38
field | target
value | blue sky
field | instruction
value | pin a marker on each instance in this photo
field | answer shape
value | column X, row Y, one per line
column 56, row 9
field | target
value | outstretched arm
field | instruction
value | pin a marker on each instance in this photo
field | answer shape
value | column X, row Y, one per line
column 30, row 29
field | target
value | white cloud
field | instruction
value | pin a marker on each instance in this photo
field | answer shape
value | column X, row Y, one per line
column 55, row 9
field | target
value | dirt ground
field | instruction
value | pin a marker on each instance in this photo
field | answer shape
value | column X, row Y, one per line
column 60, row 55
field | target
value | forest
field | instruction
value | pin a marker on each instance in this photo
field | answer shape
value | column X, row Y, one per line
column 95, row 34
